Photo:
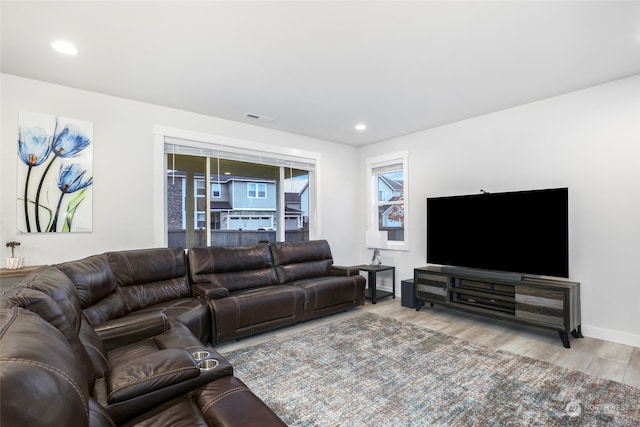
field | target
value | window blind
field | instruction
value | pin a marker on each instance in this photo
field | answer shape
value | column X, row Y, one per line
column 395, row 167
column 183, row 147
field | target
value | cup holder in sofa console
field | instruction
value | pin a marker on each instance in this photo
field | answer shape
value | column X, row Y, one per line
column 207, row 364
column 200, row 355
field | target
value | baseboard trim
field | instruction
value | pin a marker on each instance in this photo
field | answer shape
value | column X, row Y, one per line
column 611, row 335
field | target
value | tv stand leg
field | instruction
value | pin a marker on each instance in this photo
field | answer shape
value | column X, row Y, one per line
column 565, row 339
column 419, row 305
column 577, row 332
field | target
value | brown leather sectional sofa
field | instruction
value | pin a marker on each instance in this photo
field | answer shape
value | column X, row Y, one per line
column 112, row 339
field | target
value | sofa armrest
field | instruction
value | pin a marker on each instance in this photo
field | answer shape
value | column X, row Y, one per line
column 132, row 328
column 227, row 401
column 150, row 372
column 209, row 291
column 339, row 270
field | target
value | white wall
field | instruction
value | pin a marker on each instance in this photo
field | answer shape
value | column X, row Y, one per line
column 125, row 177
column 588, row 141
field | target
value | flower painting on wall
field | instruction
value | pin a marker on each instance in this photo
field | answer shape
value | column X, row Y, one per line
column 55, row 174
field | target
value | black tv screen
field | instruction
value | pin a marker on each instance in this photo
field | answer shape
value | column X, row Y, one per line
column 521, row 232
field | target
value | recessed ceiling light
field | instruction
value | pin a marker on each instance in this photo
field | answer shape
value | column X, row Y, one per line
column 64, row 47
column 360, row 126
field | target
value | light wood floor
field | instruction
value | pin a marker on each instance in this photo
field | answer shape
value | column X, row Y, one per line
column 604, row 359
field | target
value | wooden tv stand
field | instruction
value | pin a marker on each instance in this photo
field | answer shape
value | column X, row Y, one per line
column 545, row 302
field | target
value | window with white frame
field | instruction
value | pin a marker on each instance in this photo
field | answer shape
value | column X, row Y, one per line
column 388, row 213
column 212, row 212
column 216, row 191
column 256, row 190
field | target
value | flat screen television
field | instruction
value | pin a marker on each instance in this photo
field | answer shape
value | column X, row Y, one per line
column 522, row 232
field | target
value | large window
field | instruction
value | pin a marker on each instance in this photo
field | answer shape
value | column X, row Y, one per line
column 217, row 198
column 387, row 199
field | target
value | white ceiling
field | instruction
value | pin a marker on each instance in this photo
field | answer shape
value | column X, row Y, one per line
column 319, row 67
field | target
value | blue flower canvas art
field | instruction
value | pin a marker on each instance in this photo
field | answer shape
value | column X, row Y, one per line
column 55, row 174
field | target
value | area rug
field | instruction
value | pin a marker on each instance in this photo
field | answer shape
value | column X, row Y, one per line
column 372, row 370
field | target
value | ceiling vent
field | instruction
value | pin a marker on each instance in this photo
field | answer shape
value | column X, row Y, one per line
column 258, row 117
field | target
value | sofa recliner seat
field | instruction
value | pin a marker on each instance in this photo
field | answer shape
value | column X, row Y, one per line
column 136, row 285
column 242, row 290
column 57, row 392
column 255, row 288
column 226, row 401
column 328, row 288
column 250, row 311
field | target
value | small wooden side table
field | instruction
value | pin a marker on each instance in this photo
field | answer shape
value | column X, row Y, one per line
column 372, row 292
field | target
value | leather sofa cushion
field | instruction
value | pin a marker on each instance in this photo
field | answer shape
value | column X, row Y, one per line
column 50, row 311
column 227, row 401
column 191, row 312
column 178, row 336
column 131, row 328
column 238, row 280
column 95, row 348
column 224, row 402
column 181, row 411
column 96, row 286
column 152, row 397
column 60, row 288
column 209, row 291
column 92, row 277
column 42, row 305
column 331, row 291
column 301, row 260
column 145, row 374
column 111, row 307
column 252, row 311
column 254, row 306
column 147, row 265
column 288, row 273
column 149, row 276
column 33, row 349
column 232, row 267
column 98, row 416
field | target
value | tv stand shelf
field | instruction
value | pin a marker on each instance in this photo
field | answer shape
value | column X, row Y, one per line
column 543, row 302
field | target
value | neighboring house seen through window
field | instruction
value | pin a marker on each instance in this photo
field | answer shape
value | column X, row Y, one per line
column 242, row 201
column 388, row 211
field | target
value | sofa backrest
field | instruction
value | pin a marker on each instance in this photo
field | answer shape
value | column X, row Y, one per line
column 41, row 381
column 55, row 284
column 114, row 284
column 232, row 267
column 301, row 260
column 96, row 286
column 50, row 294
column 149, row 276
